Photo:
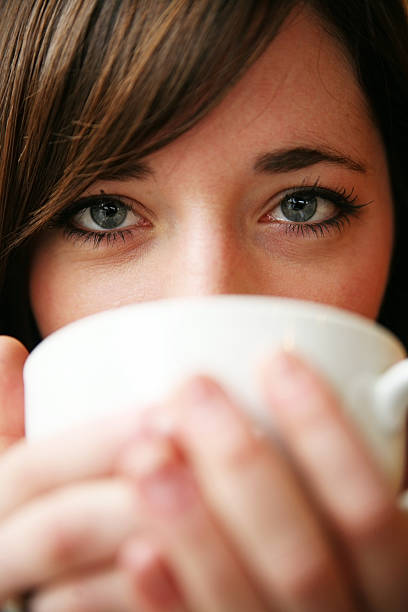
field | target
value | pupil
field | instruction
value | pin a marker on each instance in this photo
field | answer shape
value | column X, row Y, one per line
column 108, row 215
column 299, row 208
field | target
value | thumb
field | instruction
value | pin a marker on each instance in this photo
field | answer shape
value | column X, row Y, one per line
column 12, row 358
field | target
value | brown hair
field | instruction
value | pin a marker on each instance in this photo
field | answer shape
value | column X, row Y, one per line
column 89, row 89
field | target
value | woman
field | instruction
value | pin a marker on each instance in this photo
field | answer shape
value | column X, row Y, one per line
column 155, row 149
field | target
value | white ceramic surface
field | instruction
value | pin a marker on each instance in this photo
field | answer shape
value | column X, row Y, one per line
column 135, row 355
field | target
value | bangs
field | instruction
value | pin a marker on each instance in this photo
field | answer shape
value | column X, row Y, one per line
column 118, row 80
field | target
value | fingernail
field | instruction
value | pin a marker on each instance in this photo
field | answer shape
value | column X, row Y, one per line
column 205, row 404
column 286, row 377
column 161, row 476
column 149, row 453
column 211, row 422
column 206, row 407
column 156, row 419
column 285, row 363
column 201, row 389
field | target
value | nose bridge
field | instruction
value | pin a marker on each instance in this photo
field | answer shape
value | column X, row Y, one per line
column 208, row 258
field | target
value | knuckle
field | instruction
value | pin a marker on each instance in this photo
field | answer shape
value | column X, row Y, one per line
column 11, row 349
column 25, row 473
column 72, row 598
column 81, row 599
column 65, row 544
column 305, row 575
column 18, row 475
column 246, row 450
column 365, row 521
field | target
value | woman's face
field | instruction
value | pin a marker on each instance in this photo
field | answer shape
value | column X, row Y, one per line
column 261, row 197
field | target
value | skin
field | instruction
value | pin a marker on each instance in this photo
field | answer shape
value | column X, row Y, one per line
column 205, row 231
column 129, row 517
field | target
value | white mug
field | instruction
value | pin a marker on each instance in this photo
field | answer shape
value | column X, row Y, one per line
column 135, row 355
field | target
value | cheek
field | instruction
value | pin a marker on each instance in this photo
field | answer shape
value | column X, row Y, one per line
column 362, row 279
column 63, row 290
column 349, row 272
column 57, row 294
column 62, row 293
column 65, row 286
column 351, row 287
column 353, row 278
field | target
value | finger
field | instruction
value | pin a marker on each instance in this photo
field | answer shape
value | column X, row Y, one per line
column 202, row 562
column 154, row 586
column 64, row 531
column 31, row 469
column 253, row 490
column 12, row 358
column 107, row 589
column 344, row 479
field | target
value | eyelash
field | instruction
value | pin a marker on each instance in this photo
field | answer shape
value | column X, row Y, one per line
column 63, row 220
column 97, row 238
column 344, row 200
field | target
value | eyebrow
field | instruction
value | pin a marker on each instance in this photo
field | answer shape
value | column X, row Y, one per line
column 273, row 162
column 138, row 169
column 288, row 160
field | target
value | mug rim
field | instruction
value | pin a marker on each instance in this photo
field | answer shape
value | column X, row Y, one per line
column 307, row 310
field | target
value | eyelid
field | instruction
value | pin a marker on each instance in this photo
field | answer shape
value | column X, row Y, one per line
column 88, row 200
column 341, row 197
column 335, row 193
column 344, row 201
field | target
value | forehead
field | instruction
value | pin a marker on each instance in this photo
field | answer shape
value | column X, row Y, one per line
column 301, row 91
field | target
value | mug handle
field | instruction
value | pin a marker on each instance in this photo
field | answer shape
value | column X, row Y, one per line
column 390, row 397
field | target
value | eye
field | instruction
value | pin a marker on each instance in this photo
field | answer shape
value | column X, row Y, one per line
column 313, row 211
column 105, row 213
column 304, row 207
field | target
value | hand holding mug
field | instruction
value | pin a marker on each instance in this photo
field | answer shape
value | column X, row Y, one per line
column 136, row 355
column 225, row 494
column 312, row 528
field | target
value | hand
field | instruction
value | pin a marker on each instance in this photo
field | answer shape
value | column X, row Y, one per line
column 244, row 524
column 12, row 357
column 63, row 515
